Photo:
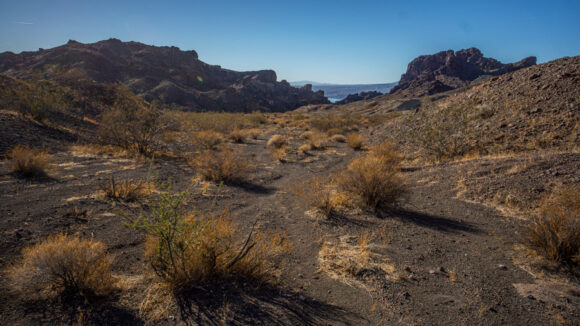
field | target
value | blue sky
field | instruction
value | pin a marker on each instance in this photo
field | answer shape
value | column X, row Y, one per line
column 334, row 41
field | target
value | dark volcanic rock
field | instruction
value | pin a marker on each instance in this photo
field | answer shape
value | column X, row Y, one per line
column 166, row 74
column 446, row 70
column 359, row 97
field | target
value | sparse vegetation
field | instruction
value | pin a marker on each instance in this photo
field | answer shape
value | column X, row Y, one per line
column 223, row 165
column 238, row 135
column 65, row 265
column 320, row 193
column 555, row 232
column 208, row 139
column 29, row 162
column 127, row 190
column 355, row 141
column 317, row 140
column 187, row 249
column 374, row 180
column 338, row 138
column 135, row 125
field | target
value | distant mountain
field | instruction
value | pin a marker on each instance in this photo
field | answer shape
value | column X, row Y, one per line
column 339, row 92
column 447, row 70
column 165, row 74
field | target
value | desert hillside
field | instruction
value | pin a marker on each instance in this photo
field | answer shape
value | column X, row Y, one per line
column 164, row 74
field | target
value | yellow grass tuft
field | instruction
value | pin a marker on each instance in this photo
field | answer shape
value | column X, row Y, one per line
column 277, row 141
column 223, row 165
column 65, row 265
column 355, row 141
column 29, row 162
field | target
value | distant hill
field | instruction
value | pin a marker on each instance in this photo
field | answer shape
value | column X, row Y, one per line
column 339, row 92
column 165, row 74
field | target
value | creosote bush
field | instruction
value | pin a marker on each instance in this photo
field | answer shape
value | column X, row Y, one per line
column 189, row 249
column 65, row 265
column 222, row 165
column 29, row 162
column 135, row 125
column 555, row 232
column 374, row 180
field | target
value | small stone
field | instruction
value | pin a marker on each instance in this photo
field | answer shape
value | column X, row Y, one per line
column 502, row 267
column 431, row 271
column 301, row 297
column 406, row 295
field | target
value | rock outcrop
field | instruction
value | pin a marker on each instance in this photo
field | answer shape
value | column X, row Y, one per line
column 359, row 97
column 446, row 70
column 165, row 74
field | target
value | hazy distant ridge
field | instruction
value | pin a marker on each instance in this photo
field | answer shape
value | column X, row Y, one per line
column 341, row 91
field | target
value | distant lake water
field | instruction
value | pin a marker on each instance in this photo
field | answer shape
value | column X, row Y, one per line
column 334, row 99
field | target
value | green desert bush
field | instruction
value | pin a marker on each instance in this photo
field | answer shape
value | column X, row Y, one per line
column 188, row 249
column 555, row 232
column 29, row 162
column 64, row 264
column 374, row 180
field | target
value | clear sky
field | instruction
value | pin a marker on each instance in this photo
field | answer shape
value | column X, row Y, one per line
column 335, row 41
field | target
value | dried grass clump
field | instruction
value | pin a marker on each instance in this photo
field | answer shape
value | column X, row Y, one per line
column 355, row 141
column 320, row 193
column 29, row 162
column 238, row 136
column 374, row 180
column 223, row 165
column 317, row 140
column 252, row 133
column 351, row 260
column 555, row 233
column 98, row 149
column 65, row 265
column 127, row 190
column 338, row 138
column 277, row 141
column 188, row 249
column 208, row 139
column 279, row 153
column 305, row 149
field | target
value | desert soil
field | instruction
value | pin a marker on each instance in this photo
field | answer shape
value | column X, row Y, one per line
column 453, row 260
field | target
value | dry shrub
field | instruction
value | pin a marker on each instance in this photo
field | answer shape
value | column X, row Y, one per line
column 223, row 165
column 191, row 249
column 127, row 190
column 279, row 153
column 65, row 265
column 338, row 138
column 334, row 131
column 317, row 140
column 320, row 193
column 355, row 141
column 555, row 233
column 252, row 133
column 307, row 135
column 98, row 149
column 208, row 139
column 351, row 260
column 277, row 141
column 238, row 136
column 29, row 162
column 135, row 125
column 305, row 149
column 374, row 180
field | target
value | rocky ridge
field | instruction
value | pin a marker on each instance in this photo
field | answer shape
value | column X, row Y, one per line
column 447, row 70
column 165, row 74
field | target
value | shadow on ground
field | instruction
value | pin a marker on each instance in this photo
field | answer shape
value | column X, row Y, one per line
column 438, row 223
column 231, row 305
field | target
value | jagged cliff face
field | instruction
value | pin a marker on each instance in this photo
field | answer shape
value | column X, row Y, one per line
column 166, row 74
column 446, row 70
